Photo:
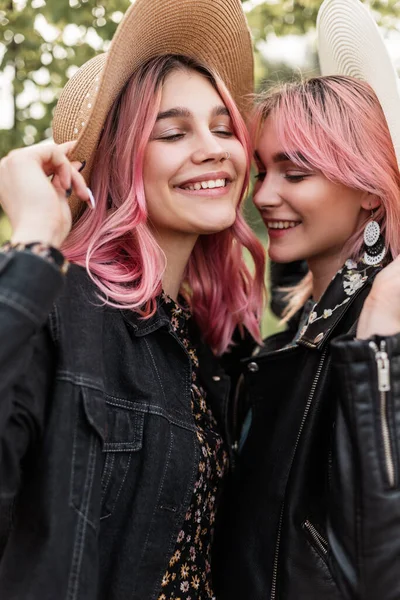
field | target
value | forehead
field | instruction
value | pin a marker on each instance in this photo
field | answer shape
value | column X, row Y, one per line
column 188, row 88
column 270, row 149
column 268, row 143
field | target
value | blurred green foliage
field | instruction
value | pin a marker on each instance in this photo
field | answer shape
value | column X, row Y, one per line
column 42, row 43
column 284, row 17
column 37, row 59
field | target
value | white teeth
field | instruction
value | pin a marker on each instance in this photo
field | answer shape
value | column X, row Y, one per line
column 282, row 224
column 205, row 185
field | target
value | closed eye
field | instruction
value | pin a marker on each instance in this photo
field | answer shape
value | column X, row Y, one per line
column 172, row 138
column 223, row 132
column 296, row 178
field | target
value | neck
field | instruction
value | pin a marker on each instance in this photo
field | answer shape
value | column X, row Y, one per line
column 323, row 270
column 177, row 249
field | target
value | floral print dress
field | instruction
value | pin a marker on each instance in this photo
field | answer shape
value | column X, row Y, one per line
column 188, row 576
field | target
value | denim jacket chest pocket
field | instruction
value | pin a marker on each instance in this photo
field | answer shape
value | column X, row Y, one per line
column 107, row 439
column 123, row 440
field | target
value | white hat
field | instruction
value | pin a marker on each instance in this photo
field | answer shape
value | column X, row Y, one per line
column 350, row 43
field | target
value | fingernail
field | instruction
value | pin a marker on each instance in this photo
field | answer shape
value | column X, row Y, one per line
column 68, row 192
column 91, row 198
column 82, row 166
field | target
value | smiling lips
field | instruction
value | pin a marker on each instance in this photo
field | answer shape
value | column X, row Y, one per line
column 216, row 181
column 282, row 224
column 206, row 185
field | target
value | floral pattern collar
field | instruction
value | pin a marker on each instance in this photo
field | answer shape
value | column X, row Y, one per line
column 341, row 292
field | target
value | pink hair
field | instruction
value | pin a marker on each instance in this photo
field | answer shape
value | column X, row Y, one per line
column 117, row 246
column 337, row 125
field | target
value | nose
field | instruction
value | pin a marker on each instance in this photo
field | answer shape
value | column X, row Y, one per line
column 267, row 193
column 209, row 149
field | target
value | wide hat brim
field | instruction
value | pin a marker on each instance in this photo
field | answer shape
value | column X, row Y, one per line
column 350, row 43
column 213, row 31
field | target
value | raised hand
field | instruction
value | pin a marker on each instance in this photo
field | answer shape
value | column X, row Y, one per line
column 37, row 206
column 381, row 311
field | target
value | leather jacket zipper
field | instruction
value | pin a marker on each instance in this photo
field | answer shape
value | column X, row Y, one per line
column 320, row 542
column 383, row 366
column 305, row 414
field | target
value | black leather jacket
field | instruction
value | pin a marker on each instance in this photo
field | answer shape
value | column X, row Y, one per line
column 314, row 509
column 98, row 445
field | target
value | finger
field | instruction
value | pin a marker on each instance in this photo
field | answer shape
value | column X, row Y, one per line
column 81, row 189
column 75, row 182
column 66, row 147
column 45, row 153
column 57, row 184
column 63, row 178
column 56, row 163
column 64, row 171
column 57, row 157
column 76, row 164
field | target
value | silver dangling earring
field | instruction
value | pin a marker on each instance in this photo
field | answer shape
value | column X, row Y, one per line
column 375, row 250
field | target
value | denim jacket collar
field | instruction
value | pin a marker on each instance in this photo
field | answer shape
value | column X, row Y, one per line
column 143, row 326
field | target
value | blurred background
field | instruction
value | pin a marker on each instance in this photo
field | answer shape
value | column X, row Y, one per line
column 43, row 43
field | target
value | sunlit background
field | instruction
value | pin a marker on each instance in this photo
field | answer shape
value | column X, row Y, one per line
column 43, row 43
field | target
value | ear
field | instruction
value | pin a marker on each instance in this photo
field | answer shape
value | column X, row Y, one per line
column 370, row 201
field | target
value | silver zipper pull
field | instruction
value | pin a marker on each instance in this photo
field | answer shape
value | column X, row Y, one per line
column 383, row 365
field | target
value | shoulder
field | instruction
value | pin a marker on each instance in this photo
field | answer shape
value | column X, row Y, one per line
column 79, row 288
column 80, row 304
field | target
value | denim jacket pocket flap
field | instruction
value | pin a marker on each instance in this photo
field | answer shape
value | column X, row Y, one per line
column 95, row 411
column 124, row 431
column 88, row 440
column 124, row 439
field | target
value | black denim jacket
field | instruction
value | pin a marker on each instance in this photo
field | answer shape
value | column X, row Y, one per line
column 98, row 446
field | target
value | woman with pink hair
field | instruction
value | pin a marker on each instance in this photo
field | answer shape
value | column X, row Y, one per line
column 115, row 422
column 315, row 506
column 315, row 503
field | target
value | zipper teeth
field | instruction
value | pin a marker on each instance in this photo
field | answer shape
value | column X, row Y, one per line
column 305, row 414
column 386, row 440
column 321, row 542
column 308, row 344
column 385, row 431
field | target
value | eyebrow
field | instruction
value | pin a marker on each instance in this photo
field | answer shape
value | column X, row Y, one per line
column 184, row 113
column 283, row 157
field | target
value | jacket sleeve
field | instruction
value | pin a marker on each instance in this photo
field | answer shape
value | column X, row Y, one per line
column 364, row 512
column 29, row 286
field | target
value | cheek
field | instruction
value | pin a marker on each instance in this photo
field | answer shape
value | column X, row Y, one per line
column 311, row 199
column 160, row 165
column 240, row 161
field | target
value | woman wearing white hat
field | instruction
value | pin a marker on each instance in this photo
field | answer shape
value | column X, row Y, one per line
column 114, row 415
column 315, row 509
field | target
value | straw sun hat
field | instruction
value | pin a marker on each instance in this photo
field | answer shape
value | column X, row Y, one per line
column 213, row 31
column 350, row 43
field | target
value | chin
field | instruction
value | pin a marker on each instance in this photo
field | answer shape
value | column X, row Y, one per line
column 217, row 225
column 283, row 257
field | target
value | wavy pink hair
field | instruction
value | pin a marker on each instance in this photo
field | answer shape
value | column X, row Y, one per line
column 337, row 125
column 116, row 244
